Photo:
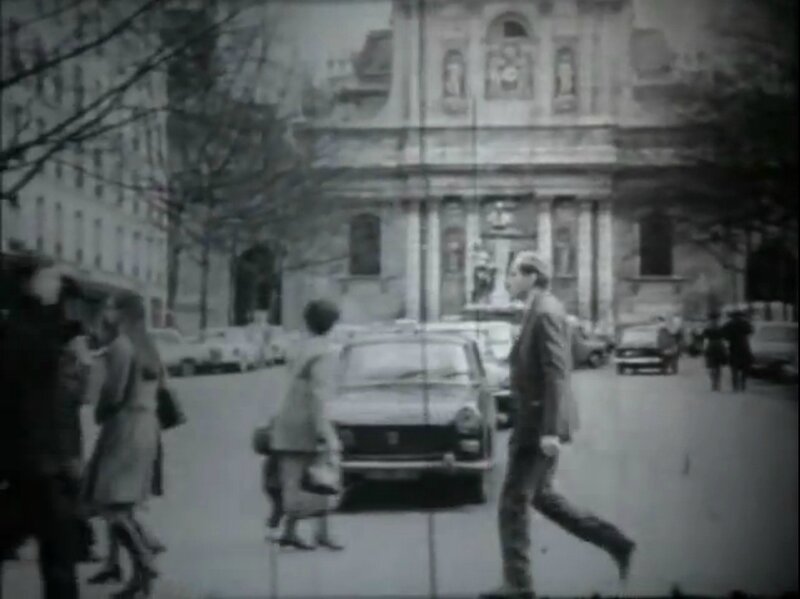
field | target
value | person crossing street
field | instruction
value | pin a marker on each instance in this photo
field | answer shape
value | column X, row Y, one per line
column 547, row 417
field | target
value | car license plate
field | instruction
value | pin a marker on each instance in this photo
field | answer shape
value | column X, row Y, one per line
column 391, row 475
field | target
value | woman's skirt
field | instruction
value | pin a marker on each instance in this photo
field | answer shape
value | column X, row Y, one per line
column 285, row 471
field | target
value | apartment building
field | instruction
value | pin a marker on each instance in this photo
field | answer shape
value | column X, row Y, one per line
column 94, row 163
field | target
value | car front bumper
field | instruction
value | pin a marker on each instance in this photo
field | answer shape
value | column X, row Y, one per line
column 410, row 469
column 639, row 361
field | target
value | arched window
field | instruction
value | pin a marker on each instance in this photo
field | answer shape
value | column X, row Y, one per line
column 655, row 245
column 365, row 245
column 508, row 27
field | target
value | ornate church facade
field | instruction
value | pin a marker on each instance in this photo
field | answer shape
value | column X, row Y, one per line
column 507, row 124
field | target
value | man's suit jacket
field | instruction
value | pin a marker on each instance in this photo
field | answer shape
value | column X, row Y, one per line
column 541, row 366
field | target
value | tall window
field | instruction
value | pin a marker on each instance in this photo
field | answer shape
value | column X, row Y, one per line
column 15, row 58
column 97, row 160
column 655, row 245
column 58, row 82
column 98, row 243
column 365, row 245
column 120, row 249
column 148, row 260
column 79, row 165
column 40, row 216
column 16, row 117
column 136, row 252
column 77, row 83
column 39, row 57
column 59, row 230
column 79, row 236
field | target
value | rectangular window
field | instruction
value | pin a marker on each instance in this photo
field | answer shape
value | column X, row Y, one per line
column 655, row 245
column 58, row 83
column 148, row 257
column 58, row 167
column 120, row 241
column 97, row 159
column 136, row 252
column 16, row 118
column 39, row 127
column 40, row 216
column 98, row 243
column 59, row 230
column 79, row 236
column 77, row 83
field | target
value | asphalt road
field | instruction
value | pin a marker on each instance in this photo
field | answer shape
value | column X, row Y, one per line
column 705, row 482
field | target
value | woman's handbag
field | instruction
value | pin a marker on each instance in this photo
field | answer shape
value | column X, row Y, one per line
column 169, row 411
column 322, row 476
column 261, row 440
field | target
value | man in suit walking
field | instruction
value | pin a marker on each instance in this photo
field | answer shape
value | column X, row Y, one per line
column 547, row 417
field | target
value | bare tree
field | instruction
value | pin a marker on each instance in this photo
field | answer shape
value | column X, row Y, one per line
column 739, row 183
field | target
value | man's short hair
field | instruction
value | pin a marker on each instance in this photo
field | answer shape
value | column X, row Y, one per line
column 529, row 262
column 320, row 316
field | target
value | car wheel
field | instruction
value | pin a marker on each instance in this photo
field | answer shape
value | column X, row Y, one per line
column 595, row 360
column 187, row 368
column 675, row 367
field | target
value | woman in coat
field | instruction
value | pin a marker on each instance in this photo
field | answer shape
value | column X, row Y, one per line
column 301, row 430
column 121, row 473
column 715, row 351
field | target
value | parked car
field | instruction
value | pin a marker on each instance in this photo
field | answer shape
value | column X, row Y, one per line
column 588, row 350
column 182, row 356
column 401, row 416
column 497, row 372
column 647, row 347
column 774, row 348
column 230, row 348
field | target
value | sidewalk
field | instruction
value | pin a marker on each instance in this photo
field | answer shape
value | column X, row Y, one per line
column 21, row 580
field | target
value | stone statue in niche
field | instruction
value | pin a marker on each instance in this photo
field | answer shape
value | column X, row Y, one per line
column 565, row 73
column 454, row 251
column 563, row 252
column 454, row 75
column 483, row 274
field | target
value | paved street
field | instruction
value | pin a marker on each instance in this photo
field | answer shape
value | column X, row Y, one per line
column 707, row 484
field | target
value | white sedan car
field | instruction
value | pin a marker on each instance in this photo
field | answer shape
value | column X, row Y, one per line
column 181, row 356
column 230, row 348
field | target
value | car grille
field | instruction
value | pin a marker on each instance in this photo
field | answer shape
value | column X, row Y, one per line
column 397, row 442
column 639, row 352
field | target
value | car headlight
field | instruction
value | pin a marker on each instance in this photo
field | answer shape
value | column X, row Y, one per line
column 467, row 421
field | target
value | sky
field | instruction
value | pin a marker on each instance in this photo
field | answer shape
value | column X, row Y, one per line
column 326, row 29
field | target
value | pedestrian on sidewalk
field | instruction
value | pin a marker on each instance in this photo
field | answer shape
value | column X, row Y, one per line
column 737, row 331
column 124, row 466
column 715, row 350
column 546, row 417
column 301, row 432
column 38, row 473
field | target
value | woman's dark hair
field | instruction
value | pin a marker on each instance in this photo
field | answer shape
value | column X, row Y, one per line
column 320, row 316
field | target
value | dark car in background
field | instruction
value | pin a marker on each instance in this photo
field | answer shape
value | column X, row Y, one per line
column 414, row 404
column 647, row 347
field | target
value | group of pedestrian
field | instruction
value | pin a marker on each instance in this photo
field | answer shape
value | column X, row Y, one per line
column 728, row 344
column 46, row 491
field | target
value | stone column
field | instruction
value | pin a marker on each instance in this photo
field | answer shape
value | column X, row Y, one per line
column 412, row 260
column 473, row 237
column 544, row 226
column 584, row 259
column 433, row 255
column 605, row 263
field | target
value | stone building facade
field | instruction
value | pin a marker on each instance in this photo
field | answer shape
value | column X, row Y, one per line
column 512, row 124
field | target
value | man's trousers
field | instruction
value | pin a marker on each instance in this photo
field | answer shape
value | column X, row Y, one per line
column 529, row 481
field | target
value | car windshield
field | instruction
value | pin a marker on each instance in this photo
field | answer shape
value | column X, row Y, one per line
column 165, row 337
column 639, row 336
column 776, row 334
column 394, row 361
